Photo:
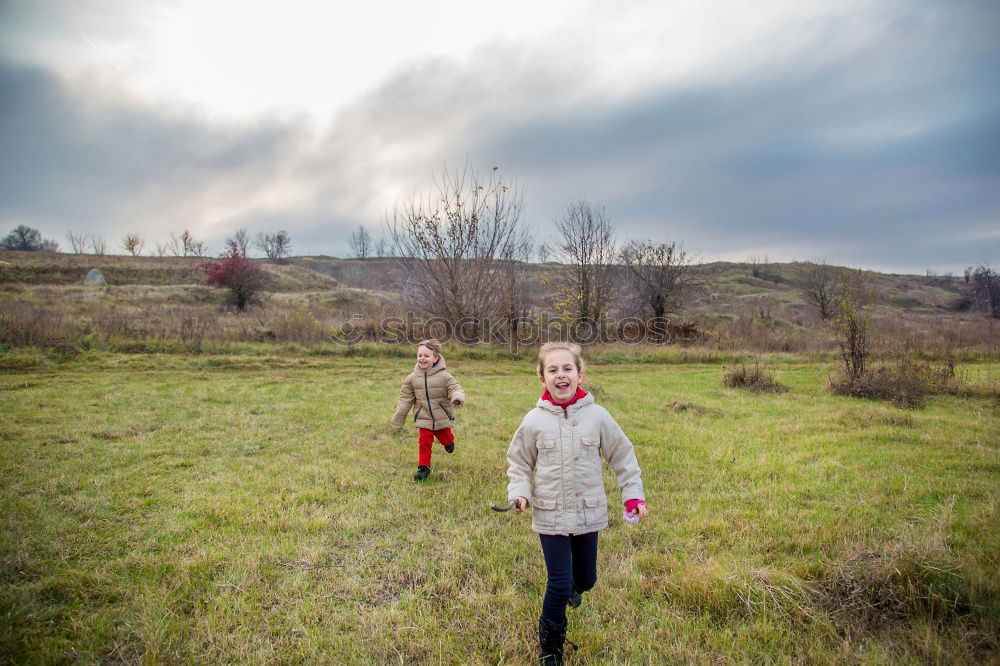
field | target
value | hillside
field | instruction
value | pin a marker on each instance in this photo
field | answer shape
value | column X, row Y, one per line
column 49, row 268
column 726, row 289
column 731, row 283
column 726, row 285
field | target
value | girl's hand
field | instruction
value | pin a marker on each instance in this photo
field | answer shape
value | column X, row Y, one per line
column 637, row 508
column 637, row 513
column 520, row 504
column 457, row 403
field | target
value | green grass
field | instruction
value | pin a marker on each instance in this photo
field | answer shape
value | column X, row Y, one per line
column 220, row 509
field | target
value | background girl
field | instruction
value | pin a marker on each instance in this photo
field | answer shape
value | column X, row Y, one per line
column 555, row 466
column 434, row 391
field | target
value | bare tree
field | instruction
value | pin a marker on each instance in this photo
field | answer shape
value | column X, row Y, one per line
column 162, row 249
column 185, row 245
column 361, row 243
column 276, row 246
column 756, row 263
column 78, row 241
column 660, row 277
column 98, row 244
column 175, row 248
column 543, row 253
column 986, row 290
column 240, row 240
column 132, row 244
column 457, row 248
column 381, row 246
column 852, row 322
column 233, row 249
column 191, row 247
column 819, row 282
column 515, row 302
column 587, row 249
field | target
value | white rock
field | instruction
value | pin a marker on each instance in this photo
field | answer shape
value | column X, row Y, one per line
column 95, row 278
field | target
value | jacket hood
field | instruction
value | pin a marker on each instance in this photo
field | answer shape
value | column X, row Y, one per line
column 555, row 409
column 437, row 367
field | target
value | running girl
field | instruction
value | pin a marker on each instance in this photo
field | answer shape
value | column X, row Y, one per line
column 555, row 467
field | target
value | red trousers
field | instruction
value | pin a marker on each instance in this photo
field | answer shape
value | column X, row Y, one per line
column 426, row 441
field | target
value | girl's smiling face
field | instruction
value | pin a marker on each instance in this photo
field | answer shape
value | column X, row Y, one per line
column 560, row 376
column 425, row 357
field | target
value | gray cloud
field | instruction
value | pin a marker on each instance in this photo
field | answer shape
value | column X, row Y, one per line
column 72, row 163
column 882, row 154
column 887, row 158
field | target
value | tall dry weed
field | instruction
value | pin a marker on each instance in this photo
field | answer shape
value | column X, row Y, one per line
column 754, row 379
column 915, row 575
column 297, row 326
column 26, row 325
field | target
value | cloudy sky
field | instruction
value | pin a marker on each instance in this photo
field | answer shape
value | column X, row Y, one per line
column 866, row 133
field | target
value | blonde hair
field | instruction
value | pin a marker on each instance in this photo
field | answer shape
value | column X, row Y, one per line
column 432, row 344
column 571, row 347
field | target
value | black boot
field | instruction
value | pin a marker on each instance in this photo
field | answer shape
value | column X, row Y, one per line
column 575, row 599
column 550, row 641
column 449, row 447
column 423, row 471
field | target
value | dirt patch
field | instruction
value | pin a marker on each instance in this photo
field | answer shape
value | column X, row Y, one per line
column 692, row 408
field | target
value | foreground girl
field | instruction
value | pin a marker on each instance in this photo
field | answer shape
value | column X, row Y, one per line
column 555, row 466
column 434, row 391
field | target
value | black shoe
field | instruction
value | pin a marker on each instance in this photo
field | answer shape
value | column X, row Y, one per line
column 575, row 600
column 423, row 471
column 550, row 642
column 450, row 448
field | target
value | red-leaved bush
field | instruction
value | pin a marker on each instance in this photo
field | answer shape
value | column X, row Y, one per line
column 234, row 271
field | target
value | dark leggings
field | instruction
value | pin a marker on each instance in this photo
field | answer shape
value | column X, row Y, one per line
column 572, row 565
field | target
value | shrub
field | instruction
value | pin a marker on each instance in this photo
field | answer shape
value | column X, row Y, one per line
column 27, row 239
column 242, row 276
column 752, row 379
column 906, row 382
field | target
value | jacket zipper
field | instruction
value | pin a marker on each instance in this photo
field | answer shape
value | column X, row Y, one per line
column 430, row 407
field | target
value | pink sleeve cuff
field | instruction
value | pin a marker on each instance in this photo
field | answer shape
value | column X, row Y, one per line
column 632, row 503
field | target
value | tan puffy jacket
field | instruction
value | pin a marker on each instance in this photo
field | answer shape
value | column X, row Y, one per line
column 555, row 463
column 433, row 392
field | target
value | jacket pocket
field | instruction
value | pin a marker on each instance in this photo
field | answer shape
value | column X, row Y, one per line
column 543, row 511
column 595, row 509
column 416, row 413
column 450, row 413
column 547, row 451
column 591, row 448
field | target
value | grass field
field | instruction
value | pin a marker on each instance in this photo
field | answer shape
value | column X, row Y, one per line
column 204, row 509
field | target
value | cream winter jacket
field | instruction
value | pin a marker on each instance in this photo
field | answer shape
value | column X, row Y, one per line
column 433, row 392
column 555, row 463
